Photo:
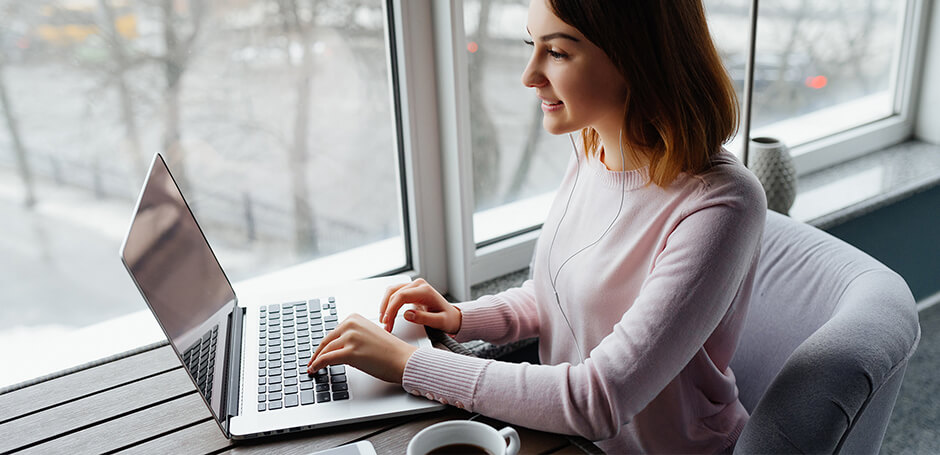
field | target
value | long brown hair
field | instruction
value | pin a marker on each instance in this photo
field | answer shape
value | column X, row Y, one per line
column 681, row 105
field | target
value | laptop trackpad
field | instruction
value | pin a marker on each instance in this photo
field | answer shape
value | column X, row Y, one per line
column 409, row 331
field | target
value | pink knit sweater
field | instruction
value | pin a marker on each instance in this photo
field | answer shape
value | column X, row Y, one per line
column 656, row 306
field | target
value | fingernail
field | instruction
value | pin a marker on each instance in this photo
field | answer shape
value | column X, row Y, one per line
column 409, row 315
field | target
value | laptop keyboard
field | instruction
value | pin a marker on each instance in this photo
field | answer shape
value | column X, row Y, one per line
column 200, row 359
column 289, row 333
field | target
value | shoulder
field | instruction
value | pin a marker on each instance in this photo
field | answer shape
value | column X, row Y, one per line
column 727, row 182
column 727, row 193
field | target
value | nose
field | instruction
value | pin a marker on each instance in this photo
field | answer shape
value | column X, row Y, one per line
column 532, row 76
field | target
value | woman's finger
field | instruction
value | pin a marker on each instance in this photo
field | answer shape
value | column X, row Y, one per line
column 330, row 336
column 324, row 349
column 388, row 293
column 435, row 320
column 417, row 295
column 383, row 317
column 338, row 357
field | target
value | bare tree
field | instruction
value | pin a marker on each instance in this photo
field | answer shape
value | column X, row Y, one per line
column 305, row 231
column 179, row 38
column 783, row 93
column 858, row 35
column 22, row 162
column 121, row 64
column 354, row 34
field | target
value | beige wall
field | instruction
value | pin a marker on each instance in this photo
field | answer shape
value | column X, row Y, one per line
column 928, row 117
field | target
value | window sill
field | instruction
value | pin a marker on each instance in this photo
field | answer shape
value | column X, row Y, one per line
column 837, row 194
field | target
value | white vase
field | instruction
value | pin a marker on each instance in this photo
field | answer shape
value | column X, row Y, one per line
column 771, row 162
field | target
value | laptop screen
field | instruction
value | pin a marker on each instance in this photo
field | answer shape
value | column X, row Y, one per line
column 178, row 275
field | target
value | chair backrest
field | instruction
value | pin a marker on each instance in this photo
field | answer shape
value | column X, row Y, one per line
column 827, row 337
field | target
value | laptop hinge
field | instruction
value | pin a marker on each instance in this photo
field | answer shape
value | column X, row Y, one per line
column 234, row 363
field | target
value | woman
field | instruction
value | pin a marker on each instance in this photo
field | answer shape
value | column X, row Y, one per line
column 645, row 264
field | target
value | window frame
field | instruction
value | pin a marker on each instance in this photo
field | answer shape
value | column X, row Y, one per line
column 866, row 138
column 428, row 71
column 433, row 70
column 413, row 58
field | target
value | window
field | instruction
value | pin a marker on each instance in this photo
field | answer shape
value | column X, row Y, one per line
column 824, row 73
column 516, row 163
column 822, row 68
column 277, row 118
column 323, row 139
column 831, row 80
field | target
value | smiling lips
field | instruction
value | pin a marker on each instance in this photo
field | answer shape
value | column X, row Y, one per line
column 548, row 106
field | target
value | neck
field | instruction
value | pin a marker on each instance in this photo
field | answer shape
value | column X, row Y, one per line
column 610, row 152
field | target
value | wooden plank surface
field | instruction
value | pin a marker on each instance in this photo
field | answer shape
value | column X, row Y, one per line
column 85, row 382
column 94, row 409
column 306, row 442
column 585, row 446
column 130, row 429
column 533, row 441
column 205, row 437
column 569, row 450
column 395, row 440
column 146, row 403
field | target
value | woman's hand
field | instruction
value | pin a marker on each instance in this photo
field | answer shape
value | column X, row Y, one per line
column 431, row 308
column 360, row 343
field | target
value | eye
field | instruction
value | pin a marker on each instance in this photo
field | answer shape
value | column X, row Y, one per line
column 551, row 53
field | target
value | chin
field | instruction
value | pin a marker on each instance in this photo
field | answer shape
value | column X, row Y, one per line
column 557, row 128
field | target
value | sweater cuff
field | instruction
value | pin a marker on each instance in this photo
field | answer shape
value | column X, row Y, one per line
column 479, row 320
column 443, row 376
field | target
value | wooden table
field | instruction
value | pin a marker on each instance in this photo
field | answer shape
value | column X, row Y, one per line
column 145, row 403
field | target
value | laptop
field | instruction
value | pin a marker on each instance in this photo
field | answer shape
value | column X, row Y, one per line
column 247, row 355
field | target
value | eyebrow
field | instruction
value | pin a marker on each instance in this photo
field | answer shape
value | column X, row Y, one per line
column 552, row 36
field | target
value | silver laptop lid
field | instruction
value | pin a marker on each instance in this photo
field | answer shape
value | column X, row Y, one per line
column 169, row 258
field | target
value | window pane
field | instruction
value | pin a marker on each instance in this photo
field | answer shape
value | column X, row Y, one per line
column 516, row 164
column 276, row 118
column 824, row 67
column 728, row 24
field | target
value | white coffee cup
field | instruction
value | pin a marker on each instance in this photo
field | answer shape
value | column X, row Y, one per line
column 465, row 432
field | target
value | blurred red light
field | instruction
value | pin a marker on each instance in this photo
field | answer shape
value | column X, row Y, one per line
column 473, row 47
column 816, row 82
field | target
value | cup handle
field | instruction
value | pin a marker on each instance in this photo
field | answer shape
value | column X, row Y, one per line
column 510, row 435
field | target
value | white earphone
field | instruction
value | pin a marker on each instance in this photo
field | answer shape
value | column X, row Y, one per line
column 553, row 279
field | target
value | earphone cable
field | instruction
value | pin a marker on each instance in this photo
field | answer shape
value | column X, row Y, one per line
column 554, row 279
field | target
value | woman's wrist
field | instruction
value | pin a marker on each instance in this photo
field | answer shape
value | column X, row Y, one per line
column 459, row 322
column 407, row 351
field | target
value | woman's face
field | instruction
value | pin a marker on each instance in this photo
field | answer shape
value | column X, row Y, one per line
column 576, row 81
